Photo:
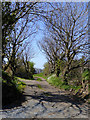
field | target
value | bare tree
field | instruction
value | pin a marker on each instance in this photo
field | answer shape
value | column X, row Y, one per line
column 53, row 53
column 26, row 56
column 11, row 14
column 68, row 24
column 19, row 21
column 17, row 39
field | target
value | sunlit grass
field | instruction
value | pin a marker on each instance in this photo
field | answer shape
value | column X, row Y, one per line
column 39, row 79
column 58, row 82
column 20, row 78
column 40, row 75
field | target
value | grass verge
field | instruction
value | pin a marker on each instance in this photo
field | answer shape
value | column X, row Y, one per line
column 12, row 90
column 58, row 82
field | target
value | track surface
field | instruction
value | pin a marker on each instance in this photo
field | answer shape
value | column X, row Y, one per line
column 46, row 101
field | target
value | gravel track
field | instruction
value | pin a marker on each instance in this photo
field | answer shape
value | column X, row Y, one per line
column 46, row 102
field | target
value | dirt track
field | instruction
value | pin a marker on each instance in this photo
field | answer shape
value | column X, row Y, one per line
column 46, row 101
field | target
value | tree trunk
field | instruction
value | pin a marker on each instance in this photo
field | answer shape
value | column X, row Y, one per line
column 13, row 72
column 65, row 72
column 6, row 67
column 57, row 72
column 65, row 79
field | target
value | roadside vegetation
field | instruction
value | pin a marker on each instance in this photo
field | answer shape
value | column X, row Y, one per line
column 76, row 85
column 11, row 89
column 57, row 82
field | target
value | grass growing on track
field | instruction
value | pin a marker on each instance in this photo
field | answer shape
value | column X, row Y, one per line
column 39, row 79
column 39, row 86
column 40, row 75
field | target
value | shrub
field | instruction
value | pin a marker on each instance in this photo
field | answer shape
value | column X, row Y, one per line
column 56, row 81
column 46, row 69
column 6, row 77
column 25, row 73
column 65, row 87
column 86, row 75
column 11, row 89
column 77, row 88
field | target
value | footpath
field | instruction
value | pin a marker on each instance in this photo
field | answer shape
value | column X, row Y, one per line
column 45, row 101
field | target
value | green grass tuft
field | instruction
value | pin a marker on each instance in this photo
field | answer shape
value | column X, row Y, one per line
column 39, row 86
column 38, row 79
column 40, row 75
column 56, row 81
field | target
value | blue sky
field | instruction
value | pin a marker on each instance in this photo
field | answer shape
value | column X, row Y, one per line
column 39, row 58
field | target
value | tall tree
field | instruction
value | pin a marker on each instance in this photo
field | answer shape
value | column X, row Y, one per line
column 18, row 25
column 11, row 14
column 51, row 47
column 26, row 57
column 69, row 21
